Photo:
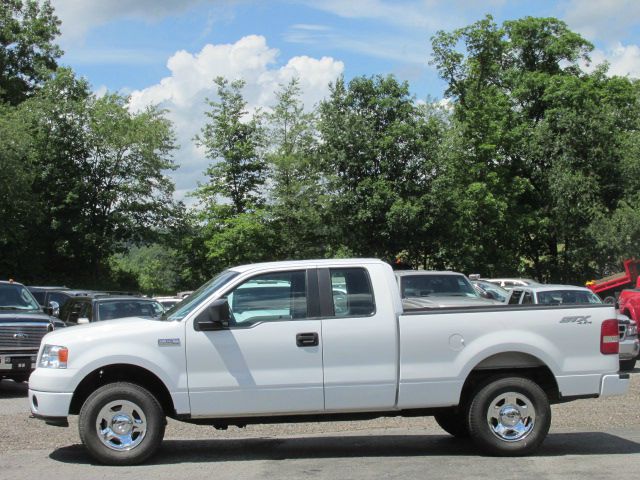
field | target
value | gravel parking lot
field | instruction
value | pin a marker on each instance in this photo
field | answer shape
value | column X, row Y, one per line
column 589, row 438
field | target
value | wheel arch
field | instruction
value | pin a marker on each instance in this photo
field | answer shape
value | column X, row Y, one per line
column 507, row 364
column 122, row 372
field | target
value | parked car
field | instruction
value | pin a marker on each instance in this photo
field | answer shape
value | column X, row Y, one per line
column 56, row 297
column 80, row 310
column 490, row 290
column 487, row 373
column 571, row 295
column 433, row 289
column 509, row 283
column 23, row 323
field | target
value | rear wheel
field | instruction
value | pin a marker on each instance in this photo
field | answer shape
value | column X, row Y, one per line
column 453, row 422
column 626, row 365
column 121, row 424
column 509, row 417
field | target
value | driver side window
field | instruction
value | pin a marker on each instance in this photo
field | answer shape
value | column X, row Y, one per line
column 269, row 297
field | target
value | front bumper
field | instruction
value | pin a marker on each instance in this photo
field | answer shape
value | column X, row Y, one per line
column 17, row 362
column 615, row 384
column 49, row 405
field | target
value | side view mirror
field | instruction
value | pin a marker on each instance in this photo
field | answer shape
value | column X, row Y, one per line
column 53, row 309
column 83, row 321
column 215, row 317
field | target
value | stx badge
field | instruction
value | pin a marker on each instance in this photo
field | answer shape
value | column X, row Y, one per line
column 579, row 319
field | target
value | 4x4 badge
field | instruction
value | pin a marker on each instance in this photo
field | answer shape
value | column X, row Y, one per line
column 168, row 342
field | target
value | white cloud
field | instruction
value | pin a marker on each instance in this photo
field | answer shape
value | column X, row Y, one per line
column 623, row 60
column 184, row 91
column 80, row 16
column 605, row 20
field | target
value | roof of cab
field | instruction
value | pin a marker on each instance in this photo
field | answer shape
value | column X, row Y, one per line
column 338, row 262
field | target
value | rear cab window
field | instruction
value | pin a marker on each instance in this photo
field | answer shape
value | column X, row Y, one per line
column 351, row 292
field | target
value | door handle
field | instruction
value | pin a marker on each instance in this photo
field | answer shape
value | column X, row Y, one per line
column 307, row 339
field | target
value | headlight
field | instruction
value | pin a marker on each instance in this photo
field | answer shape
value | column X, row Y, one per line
column 632, row 329
column 54, row 356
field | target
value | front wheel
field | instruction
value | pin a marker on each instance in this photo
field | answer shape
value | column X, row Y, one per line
column 121, row 424
column 509, row 417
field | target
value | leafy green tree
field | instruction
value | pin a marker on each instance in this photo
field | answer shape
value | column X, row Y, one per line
column 296, row 197
column 379, row 157
column 153, row 266
column 27, row 52
column 539, row 145
column 233, row 141
column 101, row 174
column 19, row 209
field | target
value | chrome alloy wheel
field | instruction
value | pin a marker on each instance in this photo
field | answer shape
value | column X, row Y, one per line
column 511, row 416
column 121, row 425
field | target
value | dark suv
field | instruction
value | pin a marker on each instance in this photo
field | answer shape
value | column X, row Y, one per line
column 56, row 297
column 23, row 323
column 81, row 310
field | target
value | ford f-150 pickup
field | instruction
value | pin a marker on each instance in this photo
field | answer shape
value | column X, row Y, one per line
column 317, row 341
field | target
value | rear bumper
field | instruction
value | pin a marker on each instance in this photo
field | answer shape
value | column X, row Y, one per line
column 629, row 349
column 616, row 384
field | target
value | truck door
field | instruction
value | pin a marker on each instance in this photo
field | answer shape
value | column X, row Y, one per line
column 359, row 341
column 269, row 359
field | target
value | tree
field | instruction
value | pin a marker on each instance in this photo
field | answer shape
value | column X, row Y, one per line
column 379, row 156
column 100, row 175
column 296, row 197
column 19, row 209
column 153, row 266
column 27, row 52
column 233, row 141
column 539, row 142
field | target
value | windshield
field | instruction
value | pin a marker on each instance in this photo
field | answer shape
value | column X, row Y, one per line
column 187, row 305
column 16, row 297
column 498, row 292
column 436, row 286
column 568, row 296
column 113, row 309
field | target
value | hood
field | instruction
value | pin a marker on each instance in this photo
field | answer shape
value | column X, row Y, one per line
column 447, row 301
column 16, row 316
column 103, row 330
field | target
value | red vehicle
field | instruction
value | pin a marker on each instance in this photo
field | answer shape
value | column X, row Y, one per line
column 608, row 288
column 629, row 302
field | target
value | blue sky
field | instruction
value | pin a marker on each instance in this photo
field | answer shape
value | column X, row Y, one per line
column 168, row 51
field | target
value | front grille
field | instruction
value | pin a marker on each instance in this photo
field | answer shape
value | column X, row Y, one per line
column 16, row 336
column 622, row 329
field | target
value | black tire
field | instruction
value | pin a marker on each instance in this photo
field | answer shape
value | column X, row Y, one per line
column 488, row 396
column 454, row 422
column 146, row 404
column 20, row 378
column 627, row 365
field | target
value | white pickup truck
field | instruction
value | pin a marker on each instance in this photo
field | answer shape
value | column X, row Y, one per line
column 318, row 341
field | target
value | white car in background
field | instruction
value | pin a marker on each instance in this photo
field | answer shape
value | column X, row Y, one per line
column 509, row 283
